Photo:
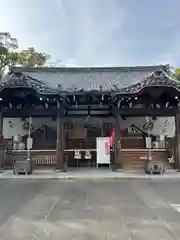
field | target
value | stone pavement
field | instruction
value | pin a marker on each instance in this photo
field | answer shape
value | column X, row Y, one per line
column 89, row 210
column 86, row 173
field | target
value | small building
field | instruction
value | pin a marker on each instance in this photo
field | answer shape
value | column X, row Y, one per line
column 71, row 107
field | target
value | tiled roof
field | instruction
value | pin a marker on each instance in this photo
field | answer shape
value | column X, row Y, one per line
column 16, row 80
column 122, row 80
column 158, row 78
column 114, row 78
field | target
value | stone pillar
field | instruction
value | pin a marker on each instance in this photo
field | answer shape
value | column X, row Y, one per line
column 60, row 140
column 117, row 144
column 177, row 139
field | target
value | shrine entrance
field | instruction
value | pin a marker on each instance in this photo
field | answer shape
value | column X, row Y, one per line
column 81, row 136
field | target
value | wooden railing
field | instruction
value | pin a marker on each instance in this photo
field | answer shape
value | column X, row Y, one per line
column 129, row 159
column 45, row 159
column 41, row 157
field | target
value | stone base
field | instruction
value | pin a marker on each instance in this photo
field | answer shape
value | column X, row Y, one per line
column 22, row 167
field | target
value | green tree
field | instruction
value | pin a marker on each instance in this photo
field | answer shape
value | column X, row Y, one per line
column 177, row 74
column 25, row 58
column 7, row 59
column 30, row 58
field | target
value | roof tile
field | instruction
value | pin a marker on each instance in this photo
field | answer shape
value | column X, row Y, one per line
column 90, row 78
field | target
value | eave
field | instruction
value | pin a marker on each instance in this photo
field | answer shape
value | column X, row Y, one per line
column 160, row 78
column 19, row 80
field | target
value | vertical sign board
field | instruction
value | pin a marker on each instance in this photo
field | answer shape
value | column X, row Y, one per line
column 29, row 143
column 103, row 150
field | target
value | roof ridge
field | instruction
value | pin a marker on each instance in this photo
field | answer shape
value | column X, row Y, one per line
column 89, row 69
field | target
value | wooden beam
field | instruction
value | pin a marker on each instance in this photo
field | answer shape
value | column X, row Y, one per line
column 52, row 112
column 141, row 112
column 86, row 115
column 44, row 112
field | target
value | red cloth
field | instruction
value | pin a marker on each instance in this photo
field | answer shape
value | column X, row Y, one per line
column 109, row 144
column 111, row 138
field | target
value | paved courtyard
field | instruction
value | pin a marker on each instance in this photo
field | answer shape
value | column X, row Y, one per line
column 82, row 209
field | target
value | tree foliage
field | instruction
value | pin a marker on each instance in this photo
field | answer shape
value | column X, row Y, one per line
column 7, row 59
column 30, row 58
column 177, row 74
column 25, row 58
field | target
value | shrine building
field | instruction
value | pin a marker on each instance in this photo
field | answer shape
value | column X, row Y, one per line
column 68, row 109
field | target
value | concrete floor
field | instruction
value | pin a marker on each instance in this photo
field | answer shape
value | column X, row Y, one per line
column 90, row 174
column 82, row 209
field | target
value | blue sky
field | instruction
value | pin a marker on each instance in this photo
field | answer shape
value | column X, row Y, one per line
column 97, row 32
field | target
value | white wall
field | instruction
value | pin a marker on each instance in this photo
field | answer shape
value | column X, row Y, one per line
column 17, row 125
column 158, row 125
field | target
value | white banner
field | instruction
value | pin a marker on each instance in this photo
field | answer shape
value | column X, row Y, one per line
column 29, row 143
column 148, row 142
column 103, row 150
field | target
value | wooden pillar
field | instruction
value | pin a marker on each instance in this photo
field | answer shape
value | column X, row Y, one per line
column 117, row 143
column 177, row 139
column 60, row 140
column 1, row 142
column 1, row 123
